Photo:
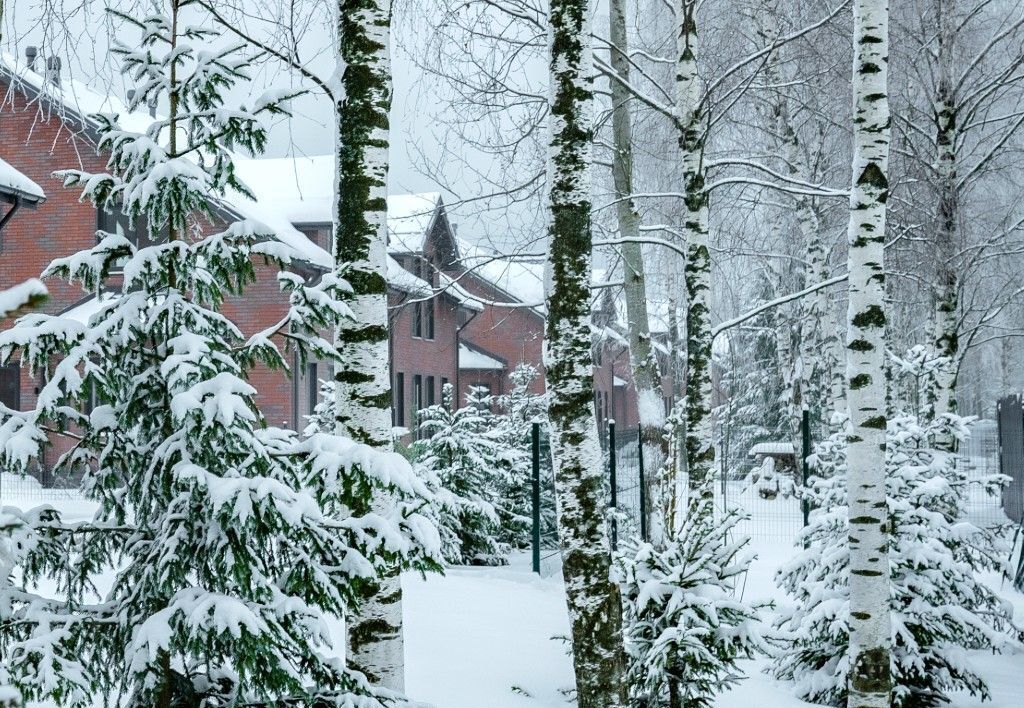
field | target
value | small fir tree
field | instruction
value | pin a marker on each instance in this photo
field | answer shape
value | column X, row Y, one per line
column 461, row 452
column 223, row 537
column 940, row 607
column 518, row 410
column 685, row 624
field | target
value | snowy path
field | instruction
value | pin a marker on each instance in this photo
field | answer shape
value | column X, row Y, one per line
column 477, row 632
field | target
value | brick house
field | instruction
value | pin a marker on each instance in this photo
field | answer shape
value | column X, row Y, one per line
column 455, row 316
column 45, row 128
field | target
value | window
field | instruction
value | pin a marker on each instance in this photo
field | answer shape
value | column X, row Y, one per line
column 428, row 307
column 423, row 310
column 430, row 391
column 318, row 234
column 119, row 223
column 417, row 401
column 10, row 386
column 444, row 382
column 398, row 398
column 312, row 387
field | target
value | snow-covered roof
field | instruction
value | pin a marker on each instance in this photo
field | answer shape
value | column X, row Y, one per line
column 83, row 311
column 472, row 358
column 401, row 279
column 522, row 280
column 465, row 298
column 81, row 101
column 616, row 381
column 16, row 184
column 74, row 95
column 772, row 448
column 302, row 191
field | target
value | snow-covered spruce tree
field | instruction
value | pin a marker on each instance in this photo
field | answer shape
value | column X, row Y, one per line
column 939, row 605
column 870, row 636
column 518, row 410
column 27, row 294
column 595, row 611
column 220, row 537
column 685, row 625
column 461, row 448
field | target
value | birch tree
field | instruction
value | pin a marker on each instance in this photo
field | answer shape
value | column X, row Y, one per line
column 870, row 623
column 363, row 378
column 595, row 612
column 644, row 364
column 359, row 90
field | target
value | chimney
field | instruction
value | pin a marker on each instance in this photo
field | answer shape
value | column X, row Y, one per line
column 30, row 57
column 53, row 65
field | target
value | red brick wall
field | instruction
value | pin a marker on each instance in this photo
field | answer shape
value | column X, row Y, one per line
column 37, row 146
column 413, row 356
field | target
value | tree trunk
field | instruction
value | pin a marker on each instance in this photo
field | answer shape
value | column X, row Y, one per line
column 595, row 612
column 870, row 623
column 700, row 452
column 360, row 218
column 646, row 374
column 946, row 343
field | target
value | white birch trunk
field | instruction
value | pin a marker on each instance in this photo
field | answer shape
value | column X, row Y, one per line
column 595, row 612
column 870, row 623
column 360, row 221
column 644, row 364
column 946, row 341
column 700, row 452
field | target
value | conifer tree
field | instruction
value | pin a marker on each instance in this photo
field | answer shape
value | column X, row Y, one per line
column 686, row 626
column 224, row 536
column 939, row 604
column 462, row 449
column 518, row 410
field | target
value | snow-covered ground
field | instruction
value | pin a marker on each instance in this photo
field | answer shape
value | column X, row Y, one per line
column 477, row 635
column 492, row 637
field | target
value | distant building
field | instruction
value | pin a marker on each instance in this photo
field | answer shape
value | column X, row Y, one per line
column 457, row 314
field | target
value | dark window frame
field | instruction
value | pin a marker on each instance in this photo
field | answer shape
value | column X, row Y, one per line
column 398, row 399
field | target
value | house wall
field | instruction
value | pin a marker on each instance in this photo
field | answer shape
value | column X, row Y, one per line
column 435, row 361
column 37, row 145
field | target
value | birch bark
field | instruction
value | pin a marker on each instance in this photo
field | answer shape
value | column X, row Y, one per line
column 595, row 612
column 870, row 623
column 644, row 364
column 700, row 453
column 362, row 94
column 946, row 342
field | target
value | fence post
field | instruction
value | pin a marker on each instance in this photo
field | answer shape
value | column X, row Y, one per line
column 535, row 439
column 643, row 484
column 614, row 483
column 805, row 452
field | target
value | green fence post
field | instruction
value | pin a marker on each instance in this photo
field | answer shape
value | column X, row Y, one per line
column 643, row 484
column 535, row 435
column 614, row 482
column 805, row 453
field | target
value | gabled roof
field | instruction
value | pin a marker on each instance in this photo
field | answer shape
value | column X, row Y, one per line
column 15, row 185
column 75, row 102
column 521, row 280
column 302, row 190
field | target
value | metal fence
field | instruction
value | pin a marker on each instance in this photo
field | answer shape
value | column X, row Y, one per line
column 774, row 513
